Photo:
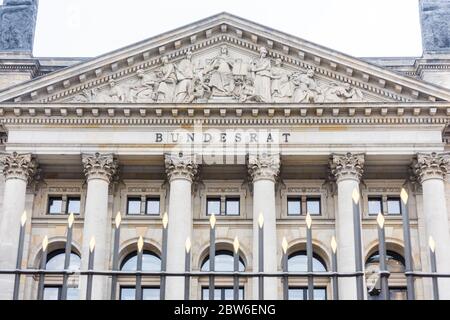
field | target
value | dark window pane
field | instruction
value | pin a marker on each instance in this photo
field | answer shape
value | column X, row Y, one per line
column 298, row 262
column 73, row 205
column 134, row 206
column 313, row 206
column 152, row 206
column 55, row 261
column 375, row 206
column 213, row 206
column 395, row 262
column 150, row 262
column 232, row 207
column 393, row 206
column 55, row 205
column 294, row 206
column 223, row 261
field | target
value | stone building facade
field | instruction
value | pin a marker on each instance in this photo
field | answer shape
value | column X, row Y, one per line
column 231, row 118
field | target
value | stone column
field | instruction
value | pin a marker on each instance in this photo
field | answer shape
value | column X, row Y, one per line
column 18, row 170
column 347, row 169
column 263, row 170
column 430, row 170
column 181, row 171
column 99, row 170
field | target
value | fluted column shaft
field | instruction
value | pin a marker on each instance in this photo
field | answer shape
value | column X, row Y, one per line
column 99, row 169
column 181, row 171
column 431, row 170
column 263, row 170
column 18, row 169
column 347, row 170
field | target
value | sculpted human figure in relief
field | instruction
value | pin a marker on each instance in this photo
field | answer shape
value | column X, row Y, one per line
column 307, row 90
column 142, row 90
column 220, row 70
column 261, row 68
column 168, row 79
column 343, row 92
column 282, row 87
column 185, row 77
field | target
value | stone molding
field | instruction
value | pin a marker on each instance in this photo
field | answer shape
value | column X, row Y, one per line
column 181, row 166
column 19, row 166
column 263, row 167
column 347, row 166
column 430, row 166
column 99, row 166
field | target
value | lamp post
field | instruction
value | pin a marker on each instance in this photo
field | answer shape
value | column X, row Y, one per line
column 261, row 256
column 68, row 252
column 187, row 268
column 212, row 254
column 432, row 245
column 407, row 242
column 334, row 268
column 138, row 293
column 23, row 220
column 165, row 222
column 236, row 268
column 90, row 268
column 309, row 254
column 284, row 246
column 115, row 263
column 43, row 267
column 382, row 254
column 358, row 245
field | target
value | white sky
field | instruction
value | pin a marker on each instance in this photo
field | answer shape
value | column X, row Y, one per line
column 361, row 28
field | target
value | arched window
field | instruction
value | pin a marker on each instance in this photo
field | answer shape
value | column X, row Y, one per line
column 150, row 262
column 298, row 262
column 394, row 261
column 223, row 261
column 53, row 287
column 55, row 260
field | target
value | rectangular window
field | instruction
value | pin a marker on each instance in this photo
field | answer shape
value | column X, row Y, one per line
column 222, row 293
column 133, row 206
column 54, row 293
column 213, row 206
column 313, row 206
column 232, row 206
column 152, row 206
column 129, row 293
column 294, row 206
column 55, row 205
column 302, row 294
column 73, row 205
column 375, row 206
column 393, row 206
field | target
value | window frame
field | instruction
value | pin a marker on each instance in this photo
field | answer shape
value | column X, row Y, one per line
column 222, row 292
column 49, row 198
column 72, row 197
column 294, row 199
column 213, row 199
column 134, row 287
column 305, row 292
column 152, row 198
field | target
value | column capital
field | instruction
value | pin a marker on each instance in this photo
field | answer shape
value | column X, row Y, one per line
column 347, row 166
column 181, row 166
column 19, row 166
column 430, row 165
column 263, row 166
column 99, row 166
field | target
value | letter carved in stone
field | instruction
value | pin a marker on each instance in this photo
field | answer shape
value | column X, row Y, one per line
column 99, row 166
column 263, row 166
column 430, row 165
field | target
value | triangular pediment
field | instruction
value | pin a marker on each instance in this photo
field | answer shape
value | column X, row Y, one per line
column 226, row 66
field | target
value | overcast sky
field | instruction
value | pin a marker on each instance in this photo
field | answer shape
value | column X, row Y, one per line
column 362, row 28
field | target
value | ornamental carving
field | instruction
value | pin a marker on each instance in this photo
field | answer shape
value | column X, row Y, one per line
column 181, row 166
column 222, row 78
column 430, row 165
column 19, row 166
column 99, row 166
column 347, row 166
column 263, row 166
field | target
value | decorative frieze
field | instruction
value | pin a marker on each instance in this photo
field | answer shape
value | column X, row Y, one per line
column 99, row 166
column 430, row 165
column 181, row 166
column 64, row 190
column 263, row 166
column 347, row 166
column 143, row 190
column 300, row 190
column 18, row 166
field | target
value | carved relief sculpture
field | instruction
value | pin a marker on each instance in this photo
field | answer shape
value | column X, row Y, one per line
column 220, row 73
column 347, row 166
column 99, row 166
column 430, row 165
column 262, row 71
column 18, row 166
column 185, row 77
column 263, row 166
column 181, row 166
column 168, row 79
